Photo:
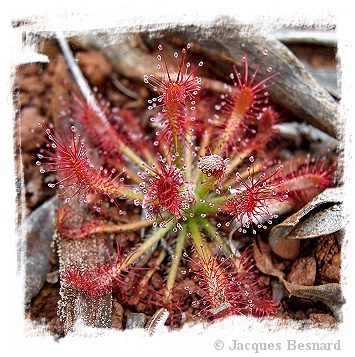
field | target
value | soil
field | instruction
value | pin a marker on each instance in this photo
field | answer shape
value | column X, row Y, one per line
column 319, row 262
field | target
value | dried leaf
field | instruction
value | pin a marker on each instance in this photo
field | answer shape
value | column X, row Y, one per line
column 327, row 221
column 329, row 294
column 157, row 322
column 284, row 239
column 303, row 271
column 329, row 195
column 264, row 262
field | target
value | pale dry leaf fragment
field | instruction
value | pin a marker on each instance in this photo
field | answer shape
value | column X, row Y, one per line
column 329, row 294
column 328, row 196
column 327, row 221
column 157, row 322
column 283, row 238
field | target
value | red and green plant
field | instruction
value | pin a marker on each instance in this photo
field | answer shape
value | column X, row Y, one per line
column 196, row 179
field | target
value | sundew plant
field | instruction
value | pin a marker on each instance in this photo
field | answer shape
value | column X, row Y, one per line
column 207, row 180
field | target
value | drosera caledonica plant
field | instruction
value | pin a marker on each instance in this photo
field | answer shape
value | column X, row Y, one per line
column 197, row 179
